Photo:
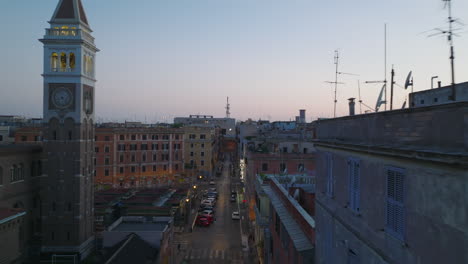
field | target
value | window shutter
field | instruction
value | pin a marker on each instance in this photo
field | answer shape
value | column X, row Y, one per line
column 395, row 202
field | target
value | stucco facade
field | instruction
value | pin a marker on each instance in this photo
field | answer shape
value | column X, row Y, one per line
column 391, row 187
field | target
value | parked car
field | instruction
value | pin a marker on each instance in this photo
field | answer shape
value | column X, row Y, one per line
column 203, row 221
column 235, row 215
column 208, row 214
column 207, row 202
column 233, row 198
column 212, row 189
column 212, row 183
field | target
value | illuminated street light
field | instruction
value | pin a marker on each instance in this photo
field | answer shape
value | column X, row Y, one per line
column 187, row 200
column 194, row 186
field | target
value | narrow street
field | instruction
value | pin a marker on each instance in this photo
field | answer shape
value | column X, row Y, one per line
column 221, row 241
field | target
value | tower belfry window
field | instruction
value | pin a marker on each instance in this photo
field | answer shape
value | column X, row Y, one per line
column 54, row 61
column 63, row 61
column 72, row 60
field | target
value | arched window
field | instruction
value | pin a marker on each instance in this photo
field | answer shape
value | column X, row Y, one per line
column 53, row 127
column 54, row 62
column 72, row 60
column 63, row 61
column 73, row 31
column 85, row 63
column 13, row 173
column 90, row 66
column 70, row 127
column 1, row 176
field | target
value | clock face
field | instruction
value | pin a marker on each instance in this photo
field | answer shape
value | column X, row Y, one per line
column 62, row 97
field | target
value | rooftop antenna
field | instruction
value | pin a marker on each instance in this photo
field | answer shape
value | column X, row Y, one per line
column 359, row 94
column 384, row 87
column 450, row 34
column 228, row 108
column 336, row 58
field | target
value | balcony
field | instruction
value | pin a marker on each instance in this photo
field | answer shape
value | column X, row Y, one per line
column 58, row 33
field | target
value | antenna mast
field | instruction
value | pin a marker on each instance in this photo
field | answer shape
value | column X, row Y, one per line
column 228, row 108
column 450, row 39
column 336, row 80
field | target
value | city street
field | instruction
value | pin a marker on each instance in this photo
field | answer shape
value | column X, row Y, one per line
column 221, row 241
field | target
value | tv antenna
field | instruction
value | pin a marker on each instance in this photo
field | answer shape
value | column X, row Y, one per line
column 383, row 92
column 450, row 34
column 336, row 62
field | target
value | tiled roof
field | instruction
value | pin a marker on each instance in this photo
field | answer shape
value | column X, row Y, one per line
column 299, row 238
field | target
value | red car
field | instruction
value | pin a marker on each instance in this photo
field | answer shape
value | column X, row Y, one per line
column 207, row 214
column 203, row 221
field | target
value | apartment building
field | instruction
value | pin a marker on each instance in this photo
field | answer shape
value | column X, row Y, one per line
column 201, row 144
column 133, row 157
column 391, row 186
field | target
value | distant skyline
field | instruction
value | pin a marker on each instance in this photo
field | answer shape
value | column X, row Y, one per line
column 162, row 59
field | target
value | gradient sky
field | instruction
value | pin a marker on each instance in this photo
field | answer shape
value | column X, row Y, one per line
column 161, row 59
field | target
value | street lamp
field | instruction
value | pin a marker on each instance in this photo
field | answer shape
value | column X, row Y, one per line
column 194, row 187
column 187, row 200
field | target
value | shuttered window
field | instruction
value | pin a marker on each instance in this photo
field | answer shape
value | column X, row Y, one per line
column 395, row 213
column 354, row 184
column 329, row 169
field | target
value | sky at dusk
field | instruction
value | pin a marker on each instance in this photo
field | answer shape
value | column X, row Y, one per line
column 161, row 59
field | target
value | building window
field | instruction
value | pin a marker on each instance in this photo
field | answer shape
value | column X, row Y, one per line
column 121, row 170
column 144, row 157
column 106, row 138
column 154, row 157
column 143, row 169
column 106, row 172
column 122, row 137
column 1, row 176
column 106, row 149
column 121, row 158
column 191, row 145
column 395, row 223
column 202, row 136
column 154, row 147
column 133, row 157
column 176, row 156
column 96, row 149
column 264, row 166
column 191, row 154
column 176, row 167
column 202, row 163
column 192, row 163
column 154, row 167
column 165, row 167
column 203, row 145
column 107, row 161
column 202, row 154
column 144, row 146
column 283, row 168
column 133, row 137
column 354, row 179
column 277, row 223
column 192, row 136
column 305, row 150
column 144, row 137
column 300, row 167
column 329, row 169
column 133, row 169
column 176, row 136
column 1, row 137
column 285, row 149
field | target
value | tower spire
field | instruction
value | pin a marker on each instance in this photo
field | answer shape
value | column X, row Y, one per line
column 69, row 11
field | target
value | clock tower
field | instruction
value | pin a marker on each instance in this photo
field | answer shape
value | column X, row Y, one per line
column 67, row 183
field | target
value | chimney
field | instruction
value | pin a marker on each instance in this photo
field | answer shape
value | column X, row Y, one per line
column 439, row 83
column 351, row 106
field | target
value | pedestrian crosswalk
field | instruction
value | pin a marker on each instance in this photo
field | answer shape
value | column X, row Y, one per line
column 234, row 256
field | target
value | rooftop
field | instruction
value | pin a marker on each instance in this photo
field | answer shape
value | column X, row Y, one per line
column 434, row 132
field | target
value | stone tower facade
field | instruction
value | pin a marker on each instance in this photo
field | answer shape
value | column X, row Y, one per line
column 69, row 82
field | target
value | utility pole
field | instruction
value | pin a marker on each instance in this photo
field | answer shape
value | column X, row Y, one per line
column 452, row 55
column 336, row 80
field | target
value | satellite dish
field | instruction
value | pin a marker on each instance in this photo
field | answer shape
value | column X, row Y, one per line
column 409, row 80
